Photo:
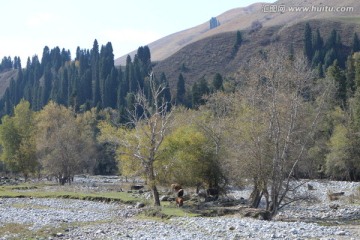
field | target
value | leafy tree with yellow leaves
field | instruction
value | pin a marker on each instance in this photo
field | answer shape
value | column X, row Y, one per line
column 17, row 140
column 188, row 159
column 63, row 145
column 139, row 142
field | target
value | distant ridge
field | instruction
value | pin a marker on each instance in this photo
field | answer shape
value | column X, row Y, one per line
column 242, row 18
column 211, row 55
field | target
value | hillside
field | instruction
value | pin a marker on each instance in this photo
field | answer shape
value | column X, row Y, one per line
column 212, row 55
column 5, row 78
column 241, row 19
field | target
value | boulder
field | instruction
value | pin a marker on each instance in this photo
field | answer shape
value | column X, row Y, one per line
column 257, row 213
column 164, row 198
column 136, row 187
column 335, row 196
column 334, row 206
column 139, row 205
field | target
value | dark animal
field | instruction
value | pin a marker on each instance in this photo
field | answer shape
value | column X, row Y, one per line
column 179, row 201
column 212, row 192
column 180, row 193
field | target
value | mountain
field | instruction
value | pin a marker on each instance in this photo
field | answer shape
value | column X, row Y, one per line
column 243, row 18
column 92, row 80
column 214, row 54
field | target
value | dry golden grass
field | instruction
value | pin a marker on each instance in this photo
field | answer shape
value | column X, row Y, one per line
column 240, row 19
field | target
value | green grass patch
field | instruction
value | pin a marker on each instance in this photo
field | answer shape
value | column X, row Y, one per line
column 22, row 231
column 166, row 211
column 37, row 192
column 15, row 230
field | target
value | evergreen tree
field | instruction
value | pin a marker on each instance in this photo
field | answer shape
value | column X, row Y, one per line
column 129, row 76
column 338, row 75
column 45, row 60
column 320, row 70
column 217, row 83
column 356, row 103
column 308, row 51
column 165, row 96
column 106, row 65
column 357, row 71
column 350, row 76
column 238, row 42
column 199, row 90
column 356, row 43
column 316, row 59
column 330, row 57
column 291, row 52
column 195, row 95
column 46, row 90
column 318, row 42
column 180, row 90
column 95, row 74
column 331, row 42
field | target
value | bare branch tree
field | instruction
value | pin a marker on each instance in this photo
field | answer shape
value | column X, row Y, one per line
column 278, row 113
column 150, row 121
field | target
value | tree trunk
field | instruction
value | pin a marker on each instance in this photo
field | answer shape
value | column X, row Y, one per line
column 255, row 198
column 151, row 180
column 255, row 195
column 155, row 195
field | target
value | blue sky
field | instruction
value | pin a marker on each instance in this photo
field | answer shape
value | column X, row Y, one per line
column 28, row 26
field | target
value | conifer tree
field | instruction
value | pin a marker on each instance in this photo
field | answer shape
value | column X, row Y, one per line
column 330, row 57
column 180, row 90
column 338, row 75
column 308, row 51
column 331, row 42
column 356, row 43
column 165, row 95
column 350, row 76
column 318, row 41
column 217, row 82
column 95, row 74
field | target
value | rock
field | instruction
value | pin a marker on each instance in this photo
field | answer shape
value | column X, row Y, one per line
column 59, row 234
column 136, row 187
column 260, row 214
column 335, row 196
column 148, row 195
column 242, row 200
column 231, row 228
column 340, row 233
column 334, row 206
column 164, row 198
column 310, row 187
column 139, row 205
column 100, row 231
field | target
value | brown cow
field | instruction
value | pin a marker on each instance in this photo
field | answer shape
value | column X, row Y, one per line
column 179, row 201
column 176, row 187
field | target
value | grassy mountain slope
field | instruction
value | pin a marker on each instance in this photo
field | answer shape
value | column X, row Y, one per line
column 241, row 19
column 5, row 78
column 208, row 56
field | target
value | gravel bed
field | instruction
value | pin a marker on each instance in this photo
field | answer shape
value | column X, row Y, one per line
column 96, row 220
